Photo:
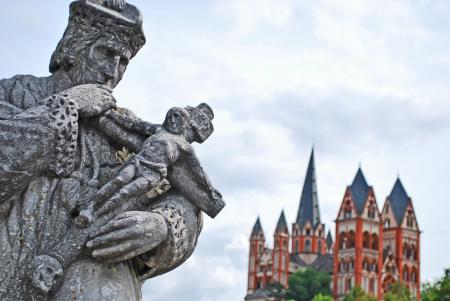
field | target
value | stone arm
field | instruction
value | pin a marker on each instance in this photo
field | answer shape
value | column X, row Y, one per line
column 188, row 176
column 129, row 121
column 39, row 140
column 184, row 223
column 38, row 130
column 125, row 128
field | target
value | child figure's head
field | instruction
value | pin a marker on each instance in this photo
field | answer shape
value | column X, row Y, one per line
column 200, row 123
column 176, row 120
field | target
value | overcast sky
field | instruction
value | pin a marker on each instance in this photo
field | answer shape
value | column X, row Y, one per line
column 366, row 81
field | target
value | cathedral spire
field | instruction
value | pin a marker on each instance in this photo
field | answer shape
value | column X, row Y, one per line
column 257, row 229
column 308, row 210
column 329, row 240
column 281, row 225
column 359, row 190
column 399, row 200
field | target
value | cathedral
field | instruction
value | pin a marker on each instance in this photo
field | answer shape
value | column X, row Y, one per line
column 372, row 248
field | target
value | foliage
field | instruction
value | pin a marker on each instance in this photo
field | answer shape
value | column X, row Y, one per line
column 439, row 290
column 304, row 285
column 397, row 292
column 320, row 297
column 276, row 291
column 357, row 294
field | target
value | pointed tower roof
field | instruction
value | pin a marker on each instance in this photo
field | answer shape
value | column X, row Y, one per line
column 257, row 229
column 309, row 211
column 359, row 190
column 399, row 200
column 281, row 225
column 329, row 240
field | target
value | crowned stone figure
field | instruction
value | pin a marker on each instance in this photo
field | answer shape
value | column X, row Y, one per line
column 65, row 146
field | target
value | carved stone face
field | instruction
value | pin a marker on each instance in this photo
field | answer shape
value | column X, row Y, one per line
column 104, row 62
column 176, row 121
column 46, row 272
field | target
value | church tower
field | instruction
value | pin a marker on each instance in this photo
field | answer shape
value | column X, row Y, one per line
column 330, row 243
column 281, row 257
column 308, row 232
column 401, row 241
column 257, row 249
column 358, row 241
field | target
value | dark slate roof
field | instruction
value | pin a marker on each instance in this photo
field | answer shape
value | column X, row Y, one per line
column 282, row 225
column 329, row 240
column 360, row 191
column 258, row 294
column 308, row 210
column 296, row 259
column 399, row 200
column 256, row 228
column 323, row 263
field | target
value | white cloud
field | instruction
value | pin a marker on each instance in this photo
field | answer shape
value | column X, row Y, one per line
column 367, row 80
column 249, row 14
column 197, row 279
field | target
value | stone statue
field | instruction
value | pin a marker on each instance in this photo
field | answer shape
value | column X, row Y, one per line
column 94, row 200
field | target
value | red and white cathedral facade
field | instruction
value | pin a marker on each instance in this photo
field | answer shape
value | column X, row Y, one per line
column 373, row 248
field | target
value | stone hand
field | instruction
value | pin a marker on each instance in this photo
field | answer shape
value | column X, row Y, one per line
column 128, row 235
column 91, row 99
column 116, row 4
column 129, row 183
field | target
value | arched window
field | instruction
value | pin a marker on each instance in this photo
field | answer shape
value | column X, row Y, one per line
column 405, row 273
column 308, row 231
column 374, row 242
column 366, row 240
column 387, row 223
column 414, row 275
column 375, row 266
column 405, row 250
column 342, row 241
column 371, row 212
column 296, row 250
column 387, row 208
column 410, row 219
column 409, row 253
column 351, row 240
column 372, row 285
column 307, row 246
column 319, row 247
column 365, row 264
column 413, row 252
column 347, row 210
column 349, row 284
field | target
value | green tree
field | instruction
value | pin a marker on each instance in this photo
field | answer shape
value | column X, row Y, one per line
column 276, row 291
column 304, row 285
column 357, row 294
column 430, row 292
column 320, row 297
column 439, row 290
column 397, row 292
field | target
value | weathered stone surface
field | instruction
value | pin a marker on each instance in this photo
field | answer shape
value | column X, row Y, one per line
column 94, row 200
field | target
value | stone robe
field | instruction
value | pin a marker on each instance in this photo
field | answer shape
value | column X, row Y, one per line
column 43, row 145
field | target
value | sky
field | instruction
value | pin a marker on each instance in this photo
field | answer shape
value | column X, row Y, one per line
column 364, row 82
